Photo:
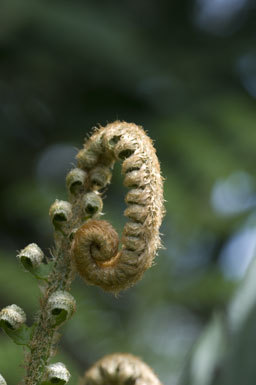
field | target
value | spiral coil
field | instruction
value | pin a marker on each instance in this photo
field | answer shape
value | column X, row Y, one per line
column 94, row 250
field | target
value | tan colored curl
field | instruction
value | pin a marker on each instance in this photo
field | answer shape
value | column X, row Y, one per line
column 98, row 261
column 140, row 240
column 120, row 369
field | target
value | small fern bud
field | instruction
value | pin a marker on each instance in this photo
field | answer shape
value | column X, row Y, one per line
column 87, row 158
column 61, row 306
column 2, row 380
column 100, row 176
column 92, row 204
column 60, row 213
column 57, row 374
column 75, row 180
column 12, row 317
column 31, row 256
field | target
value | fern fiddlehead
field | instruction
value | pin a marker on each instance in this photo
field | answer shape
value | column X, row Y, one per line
column 95, row 246
column 88, row 245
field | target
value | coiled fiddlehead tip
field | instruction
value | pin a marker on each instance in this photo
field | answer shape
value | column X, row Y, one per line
column 120, row 369
column 95, row 249
column 140, row 239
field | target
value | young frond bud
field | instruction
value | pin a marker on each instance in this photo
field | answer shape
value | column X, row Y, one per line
column 60, row 213
column 87, row 158
column 57, row 374
column 92, row 204
column 61, row 306
column 75, row 180
column 31, row 256
column 120, row 369
column 100, row 176
column 12, row 317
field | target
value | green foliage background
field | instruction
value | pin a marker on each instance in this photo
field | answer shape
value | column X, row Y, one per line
column 67, row 66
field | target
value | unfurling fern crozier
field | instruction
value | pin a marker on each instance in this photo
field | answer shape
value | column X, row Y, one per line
column 95, row 249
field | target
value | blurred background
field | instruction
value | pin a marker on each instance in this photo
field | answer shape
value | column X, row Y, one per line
column 185, row 71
